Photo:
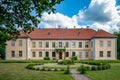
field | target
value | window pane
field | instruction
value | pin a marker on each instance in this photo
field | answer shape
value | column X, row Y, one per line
column 33, row 44
column 73, row 53
column 40, row 54
column 80, row 55
column 47, row 54
column 108, row 53
column 60, row 44
column 86, row 45
column 101, row 53
column 47, row 45
column 12, row 42
column 33, row 54
column 53, row 54
column 53, row 44
column 73, row 44
column 86, row 54
column 40, row 44
column 80, row 44
column 109, row 43
column 67, row 54
column 20, row 42
column 12, row 53
column 101, row 43
column 20, row 53
column 67, row 44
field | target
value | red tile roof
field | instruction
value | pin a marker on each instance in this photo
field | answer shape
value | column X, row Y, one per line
column 66, row 34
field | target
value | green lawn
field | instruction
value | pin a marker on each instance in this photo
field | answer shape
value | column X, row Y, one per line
column 110, row 74
column 17, row 71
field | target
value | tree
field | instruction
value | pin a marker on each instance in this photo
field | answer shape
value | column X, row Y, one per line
column 17, row 14
column 118, row 43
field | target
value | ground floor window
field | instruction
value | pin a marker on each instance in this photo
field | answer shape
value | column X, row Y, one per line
column 53, row 54
column 20, row 53
column 101, row 53
column 47, row 54
column 33, row 54
column 12, row 53
column 73, row 53
column 40, row 54
column 67, row 54
column 80, row 55
column 86, row 54
column 108, row 53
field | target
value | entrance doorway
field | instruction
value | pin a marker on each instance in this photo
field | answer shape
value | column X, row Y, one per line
column 60, row 55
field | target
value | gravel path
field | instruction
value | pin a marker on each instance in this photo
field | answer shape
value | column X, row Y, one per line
column 77, row 76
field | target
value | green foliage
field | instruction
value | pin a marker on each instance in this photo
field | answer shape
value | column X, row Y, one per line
column 16, row 14
column 82, row 69
column 74, row 58
column 46, row 58
column 66, row 62
column 67, row 71
column 60, row 50
column 30, row 66
column 2, row 51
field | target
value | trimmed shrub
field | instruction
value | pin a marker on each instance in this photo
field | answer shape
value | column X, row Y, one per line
column 55, row 69
column 66, row 62
column 46, row 58
column 82, row 69
column 74, row 58
column 94, row 68
column 67, row 71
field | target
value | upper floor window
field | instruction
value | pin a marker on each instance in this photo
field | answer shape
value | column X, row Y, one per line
column 101, row 53
column 86, row 45
column 47, row 44
column 20, row 53
column 12, row 53
column 86, row 54
column 40, row 44
column 53, row 44
column 12, row 42
column 109, row 43
column 80, row 44
column 101, row 44
column 67, row 44
column 33, row 44
column 73, row 44
column 80, row 55
column 108, row 53
column 20, row 42
column 60, row 44
column 40, row 54
column 33, row 54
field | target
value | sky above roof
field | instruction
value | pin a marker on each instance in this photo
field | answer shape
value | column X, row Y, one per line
column 98, row 14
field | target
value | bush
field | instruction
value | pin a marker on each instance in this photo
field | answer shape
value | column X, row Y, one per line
column 55, row 69
column 74, row 58
column 94, row 68
column 67, row 71
column 66, row 62
column 46, row 58
column 82, row 69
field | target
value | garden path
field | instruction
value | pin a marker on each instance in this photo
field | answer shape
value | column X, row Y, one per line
column 77, row 76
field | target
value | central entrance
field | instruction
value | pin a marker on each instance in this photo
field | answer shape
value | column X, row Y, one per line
column 60, row 55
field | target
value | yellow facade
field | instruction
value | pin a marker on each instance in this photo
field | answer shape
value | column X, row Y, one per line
column 31, row 49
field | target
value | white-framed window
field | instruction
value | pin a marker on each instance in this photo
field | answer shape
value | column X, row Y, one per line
column 108, row 53
column 20, row 42
column 53, row 44
column 40, row 54
column 86, row 54
column 109, row 43
column 60, row 44
column 40, row 44
column 101, row 43
column 20, row 53
column 47, row 44
column 101, row 53
column 33, row 54
column 86, row 45
column 12, row 53
column 80, row 55
column 67, row 44
column 12, row 42
column 80, row 44
column 73, row 44
column 33, row 44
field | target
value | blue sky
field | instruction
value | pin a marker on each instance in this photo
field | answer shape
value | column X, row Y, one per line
column 98, row 14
